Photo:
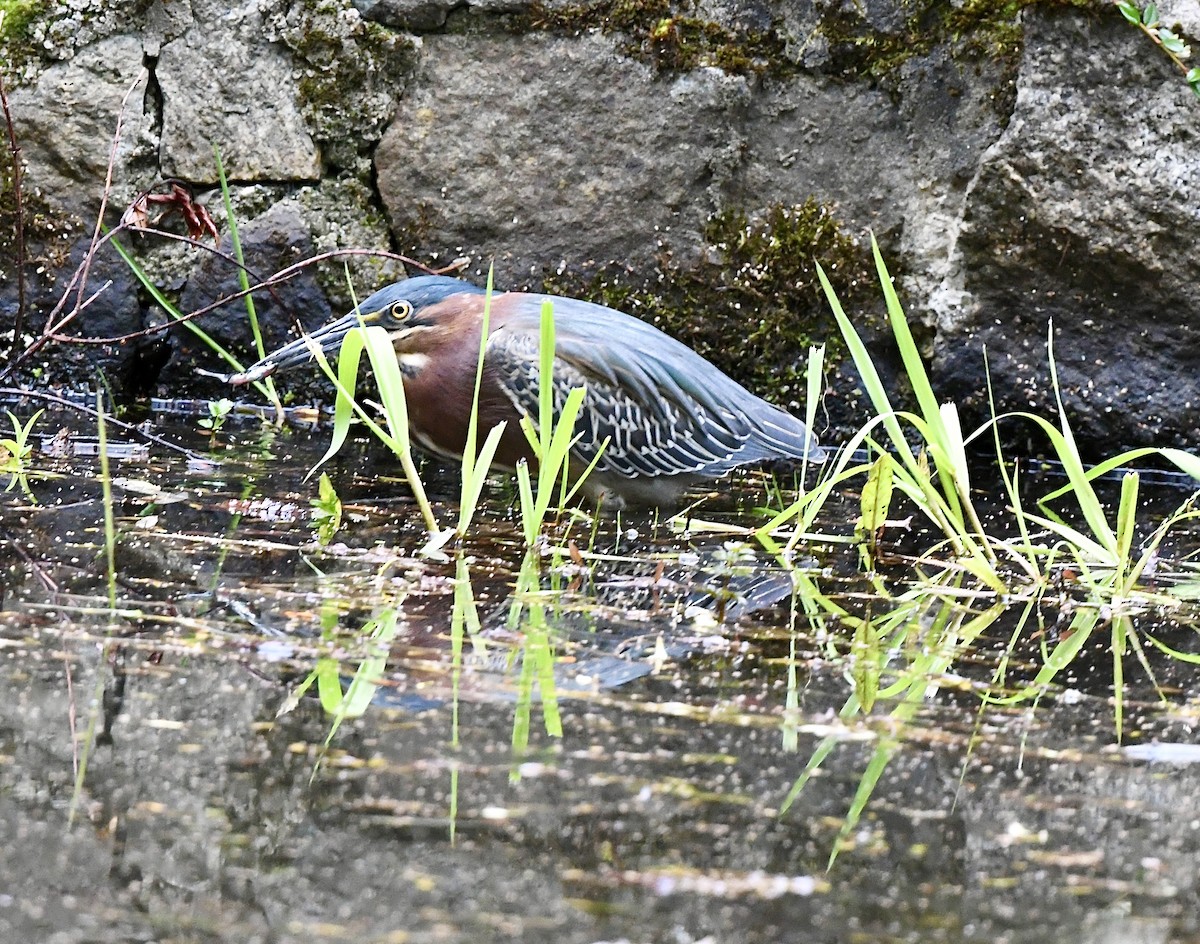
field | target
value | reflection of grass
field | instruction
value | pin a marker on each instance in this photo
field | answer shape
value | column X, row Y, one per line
column 527, row 616
column 110, row 569
column 375, row 637
column 529, row 646
column 326, row 511
column 903, row 644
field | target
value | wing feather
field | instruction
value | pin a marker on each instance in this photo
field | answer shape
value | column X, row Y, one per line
column 663, row 408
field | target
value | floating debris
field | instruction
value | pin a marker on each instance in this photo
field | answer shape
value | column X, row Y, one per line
column 66, row 445
column 1163, row 752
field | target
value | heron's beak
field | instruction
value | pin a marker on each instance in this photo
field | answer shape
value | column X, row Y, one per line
column 326, row 339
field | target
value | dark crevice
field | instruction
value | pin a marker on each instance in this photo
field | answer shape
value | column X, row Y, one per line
column 152, row 102
column 150, row 355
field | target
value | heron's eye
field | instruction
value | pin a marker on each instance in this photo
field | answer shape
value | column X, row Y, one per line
column 401, row 311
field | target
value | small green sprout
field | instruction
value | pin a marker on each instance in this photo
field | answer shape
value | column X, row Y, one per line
column 327, row 511
column 15, row 452
column 218, row 412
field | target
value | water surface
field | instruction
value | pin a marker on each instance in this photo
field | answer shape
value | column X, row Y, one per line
column 688, row 686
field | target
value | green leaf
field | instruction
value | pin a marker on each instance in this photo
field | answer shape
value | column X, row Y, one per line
column 1172, row 43
column 327, row 510
column 329, row 684
column 874, row 504
column 473, row 481
column 475, row 465
column 1130, row 12
column 1127, row 519
column 345, row 380
column 389, row 381
column 243, row 275
column 530, row 523
column 381, row 631
column 1149, row 15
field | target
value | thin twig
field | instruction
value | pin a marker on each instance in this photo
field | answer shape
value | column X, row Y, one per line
column 71, row 714
column 283, row 275
column 38, row 571
column 90, row 411
column 108, row 177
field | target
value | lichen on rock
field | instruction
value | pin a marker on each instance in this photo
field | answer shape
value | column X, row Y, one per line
column 351, row 74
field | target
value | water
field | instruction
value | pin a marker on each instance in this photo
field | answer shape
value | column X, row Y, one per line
column 689, row 694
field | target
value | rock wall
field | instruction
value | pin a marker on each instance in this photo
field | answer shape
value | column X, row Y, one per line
column 1014, row 171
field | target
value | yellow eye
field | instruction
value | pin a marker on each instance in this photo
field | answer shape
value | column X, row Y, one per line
column 402, row 311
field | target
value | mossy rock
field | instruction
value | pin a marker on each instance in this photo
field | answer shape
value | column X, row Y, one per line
column 753, row 304
column 669, row 34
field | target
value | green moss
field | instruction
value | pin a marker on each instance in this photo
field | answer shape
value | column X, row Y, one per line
column 672, row 36
column 983, row 27
column 667, row 33
column 16, row 16
column 753, row 305
column 337, row 52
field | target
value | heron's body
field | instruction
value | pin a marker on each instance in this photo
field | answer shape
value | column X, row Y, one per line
column 671, row 419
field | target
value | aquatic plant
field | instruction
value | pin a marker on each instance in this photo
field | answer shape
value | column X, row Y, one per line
column 551, row 439
column 550, row 436
column 326, row 510
column 390, row 384
column 904, row 644
column 476, row 465
column 110, row 569
column 218, row 413
column 15, row 452
column 374, row 639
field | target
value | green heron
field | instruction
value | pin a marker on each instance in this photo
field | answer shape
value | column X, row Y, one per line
column 670, row 417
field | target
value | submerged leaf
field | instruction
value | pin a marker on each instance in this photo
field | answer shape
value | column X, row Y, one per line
column 875, row 503
column 865, row 655
column 327, row 510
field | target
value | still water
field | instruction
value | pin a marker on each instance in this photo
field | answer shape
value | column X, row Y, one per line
column 611, row 771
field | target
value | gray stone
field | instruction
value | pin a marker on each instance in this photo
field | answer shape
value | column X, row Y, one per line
column 351, row 73
column 416, row 15
column 539, row 150
column 1181, row 15
column 342, row 216
column 1071, row 196
column 1079, row 214
column 66, row 122
column 220, row 89
column 61, row 28
column 545, row 151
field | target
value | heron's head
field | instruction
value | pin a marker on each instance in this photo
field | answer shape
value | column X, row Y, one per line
column 411, row 311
